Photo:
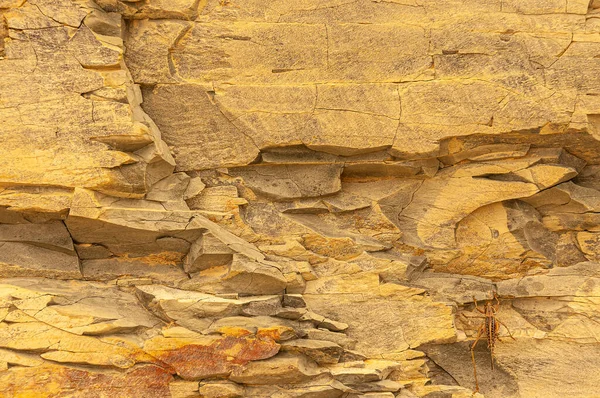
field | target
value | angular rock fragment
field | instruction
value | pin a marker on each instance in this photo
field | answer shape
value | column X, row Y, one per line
column 222, row 389
column 183, row 389
column 90, row 251
column 323, row 386
column 282, row 182
column 80, row 308
column 291, row 313
column 562, row 222
column 350, row 376
column 182, row 305
column 219, row 199
column 110, row 315
column 322, row 352
column 282, row 369
column 130, row 229
column 335, row 337
column 23, row 204
column 96, row 143
column 170, row 189
column 19, row 359
column 38, row 250
column 276, row 329
column 293, row 300
column 392, row 324
column 61, row 346
column 234, row 242
column 566, row 198
column 352, row 356
column 483, row 153
column 49, row 235
column 207, row 252
column 203, row 137
column 322, row 322
column 332, row 237
column 378, row 386
column 194, row 188
column 430, row 219
column 22, row 259
column 577, row 280
column 545, row 176
column 243, row 276
column 106, row 269
column 379, row 172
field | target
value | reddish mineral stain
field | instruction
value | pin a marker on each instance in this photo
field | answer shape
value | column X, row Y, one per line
column 54, row 381
column 196, row 362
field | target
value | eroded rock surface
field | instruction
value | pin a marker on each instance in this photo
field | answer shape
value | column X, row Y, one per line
column 280, row 199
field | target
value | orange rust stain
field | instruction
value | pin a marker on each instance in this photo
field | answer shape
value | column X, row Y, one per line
column 197, row 362
column 276, row 333
column 234, row 331
column 57, row 381
column 271, row 333
column 249, row 349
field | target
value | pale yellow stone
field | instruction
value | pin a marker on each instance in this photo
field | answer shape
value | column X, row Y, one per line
column 21, row 359
column 67, row 347
column 391, row 324
column 92, row 144
column 340, row 176
column 283, row 368
column 223, row 199
column 183, row 389
column 355, row 283
column 569, row 359
column 221, row 390
column 437, row 213
column 545, row 176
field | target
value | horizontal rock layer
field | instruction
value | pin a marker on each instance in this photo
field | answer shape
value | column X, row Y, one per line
column 298, row 199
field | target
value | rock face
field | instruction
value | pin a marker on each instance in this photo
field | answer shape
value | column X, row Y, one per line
column 298, row 199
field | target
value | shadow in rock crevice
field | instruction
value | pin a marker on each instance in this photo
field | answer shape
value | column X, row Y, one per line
column 455, row 361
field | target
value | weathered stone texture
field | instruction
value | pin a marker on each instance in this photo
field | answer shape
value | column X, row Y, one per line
column 226, row 199
column 104, row 141
column 303, row 73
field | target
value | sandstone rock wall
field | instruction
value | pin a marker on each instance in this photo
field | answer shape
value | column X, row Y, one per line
column 298, row 199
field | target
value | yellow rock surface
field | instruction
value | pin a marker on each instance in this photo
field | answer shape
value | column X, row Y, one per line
column 229, row 198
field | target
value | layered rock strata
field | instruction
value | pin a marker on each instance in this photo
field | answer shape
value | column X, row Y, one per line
column 227, row 198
